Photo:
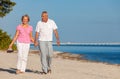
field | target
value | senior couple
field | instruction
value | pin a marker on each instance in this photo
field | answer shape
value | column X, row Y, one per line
column 44, row 33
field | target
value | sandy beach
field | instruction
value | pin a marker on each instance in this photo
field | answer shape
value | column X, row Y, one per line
column 61, row 68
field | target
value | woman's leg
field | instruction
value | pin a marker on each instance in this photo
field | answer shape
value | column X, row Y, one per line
column 19, row 55
column 24, row 56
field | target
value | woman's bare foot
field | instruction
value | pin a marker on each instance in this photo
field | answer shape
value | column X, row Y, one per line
column 19, row 72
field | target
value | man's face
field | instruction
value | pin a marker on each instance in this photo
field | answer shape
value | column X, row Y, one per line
column 44, row 17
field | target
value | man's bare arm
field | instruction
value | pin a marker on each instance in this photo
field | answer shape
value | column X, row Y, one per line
column 57, row 37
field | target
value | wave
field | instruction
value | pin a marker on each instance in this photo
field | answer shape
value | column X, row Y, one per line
column 88, row 44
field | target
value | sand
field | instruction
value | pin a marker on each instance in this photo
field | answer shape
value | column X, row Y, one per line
column 61, row 68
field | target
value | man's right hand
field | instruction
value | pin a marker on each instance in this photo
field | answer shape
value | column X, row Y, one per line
column 58, row 43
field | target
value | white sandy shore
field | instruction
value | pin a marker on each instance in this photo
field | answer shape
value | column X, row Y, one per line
column 61, row 69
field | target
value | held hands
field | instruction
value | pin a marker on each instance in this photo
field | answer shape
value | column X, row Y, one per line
column 35, row 43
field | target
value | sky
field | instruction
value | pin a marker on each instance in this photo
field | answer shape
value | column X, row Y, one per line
column 79, row 21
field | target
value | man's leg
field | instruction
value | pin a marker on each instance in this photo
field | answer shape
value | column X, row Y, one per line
column 50, row 54
column 43, row 48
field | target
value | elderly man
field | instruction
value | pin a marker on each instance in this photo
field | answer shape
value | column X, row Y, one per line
column 44, row 30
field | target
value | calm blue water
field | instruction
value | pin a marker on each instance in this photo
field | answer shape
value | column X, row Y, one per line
column 109, row 54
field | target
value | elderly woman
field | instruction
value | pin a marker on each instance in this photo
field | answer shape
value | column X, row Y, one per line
column 24, row 37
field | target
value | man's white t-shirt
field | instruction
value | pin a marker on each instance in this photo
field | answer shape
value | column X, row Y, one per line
column 45, row 30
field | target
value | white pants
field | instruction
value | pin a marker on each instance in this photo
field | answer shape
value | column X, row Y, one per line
column 23, row 50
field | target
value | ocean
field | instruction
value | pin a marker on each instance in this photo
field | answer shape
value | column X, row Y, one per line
column 99, row 53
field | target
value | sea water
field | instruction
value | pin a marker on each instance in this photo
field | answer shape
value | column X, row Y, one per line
column 100, row 53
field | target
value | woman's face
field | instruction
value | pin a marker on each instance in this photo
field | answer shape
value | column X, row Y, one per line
column 25, row 20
